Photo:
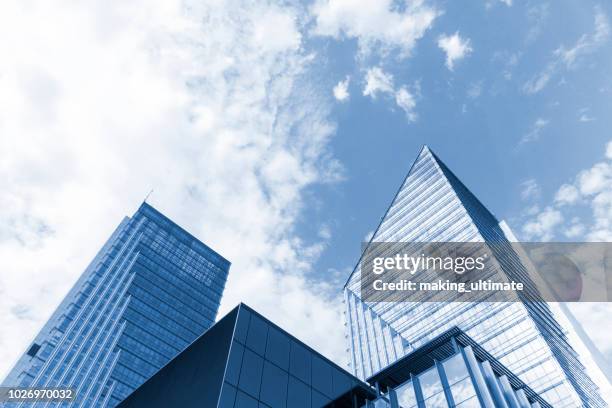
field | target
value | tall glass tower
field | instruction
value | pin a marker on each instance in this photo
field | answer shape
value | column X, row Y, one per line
column 432, row 205
column 151, row 290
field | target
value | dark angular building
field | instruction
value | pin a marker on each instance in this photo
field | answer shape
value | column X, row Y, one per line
column 245, row 361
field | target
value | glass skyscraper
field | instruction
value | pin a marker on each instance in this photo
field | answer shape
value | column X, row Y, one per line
column 151, row 290
column 432, row 205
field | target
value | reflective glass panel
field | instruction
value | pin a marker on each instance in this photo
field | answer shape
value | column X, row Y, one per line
column 430, row 382
column 406, row 396
column 455, row 369
column 463, row 390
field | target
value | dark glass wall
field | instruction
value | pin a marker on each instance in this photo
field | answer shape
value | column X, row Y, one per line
column 246, row 361
column 194, row 377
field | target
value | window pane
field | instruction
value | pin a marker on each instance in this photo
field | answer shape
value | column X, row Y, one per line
column 242, row 325
column 430, row 382
column 258, row 331
column 463, row 390
column 245, row 401
column 277, row 349
column 234, row 363
column 321, row 376
column 319, row 400
column 436, row 401
column 455, row 369
column 342, row 382
column 298, row 394
column 300, row 362
column 274, row 386
column 406, row 396
column 471, row 403
column 250, row 375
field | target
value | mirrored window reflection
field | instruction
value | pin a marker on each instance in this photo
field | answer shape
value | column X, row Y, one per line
column 436, row 401
column 463, row 390
column 455, row 369
column 471, row 403
column 431, row 387
column 406, row 396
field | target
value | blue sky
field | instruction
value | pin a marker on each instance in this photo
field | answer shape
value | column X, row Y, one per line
column 477, row 117
column 278, row 132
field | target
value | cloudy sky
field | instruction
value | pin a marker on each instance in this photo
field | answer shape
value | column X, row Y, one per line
column 278, row 132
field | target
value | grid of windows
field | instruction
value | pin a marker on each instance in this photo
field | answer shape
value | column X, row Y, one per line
column 266, row 368
column 151, row 290
column 433, row 205
column 450, row 383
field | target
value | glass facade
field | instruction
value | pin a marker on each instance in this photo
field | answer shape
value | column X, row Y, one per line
column 245, row 361
column 264, row 367
column 150, row 291
column 452, row 371
column 268, row 368
column 432, row 205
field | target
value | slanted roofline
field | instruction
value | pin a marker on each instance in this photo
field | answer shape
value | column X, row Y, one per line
column 423, row 148
column 446, row 172
column 148, row 208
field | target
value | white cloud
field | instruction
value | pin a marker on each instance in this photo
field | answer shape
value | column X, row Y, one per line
column 474, row 90
column 341, row 92
column 455, row 47
column 576, row 229
column 591, row 187
column 609, row 150
column 530, row 190
column 377, row 81
column 531, row 210
column 539, row 82
column 406, row 101
column 489, row 4
column 102, row 101
column 585, row 118
column 535, row 131
column 587, row 43
column 568, row 57
column 583, row 115
column 543, row 226
column 378, row 25
column 536, row 16
column 591, row 315
column 325, row 232
column 567, row 194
